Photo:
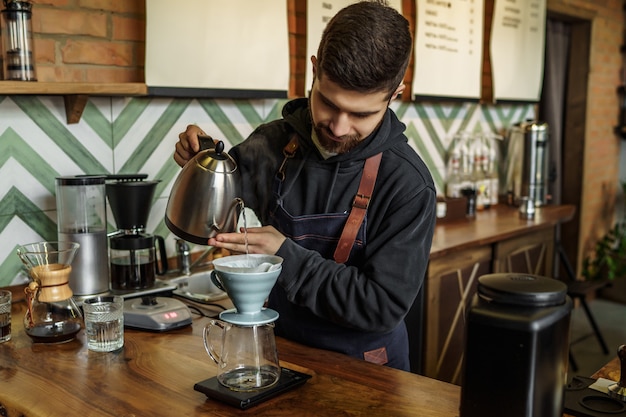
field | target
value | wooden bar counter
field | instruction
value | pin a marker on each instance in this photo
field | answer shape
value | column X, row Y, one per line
column 154, row 374
column 497, row 224
column 496, row 241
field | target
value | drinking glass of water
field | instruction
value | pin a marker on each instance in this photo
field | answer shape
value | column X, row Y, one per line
column 5, row 315
column 104, row 323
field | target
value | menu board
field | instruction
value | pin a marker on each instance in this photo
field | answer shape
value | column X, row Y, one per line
column 319, row 14
column 448, row 48
column 517, row 49
column 216, row 44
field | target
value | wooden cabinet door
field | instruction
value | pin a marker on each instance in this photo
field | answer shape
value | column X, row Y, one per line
column 532, row 253
column 450, row 286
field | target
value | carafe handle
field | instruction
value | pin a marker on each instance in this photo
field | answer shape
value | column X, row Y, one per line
column 207, row 337
column 161, row 267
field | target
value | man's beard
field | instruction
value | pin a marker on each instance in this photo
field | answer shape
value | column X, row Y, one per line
column 348, row 142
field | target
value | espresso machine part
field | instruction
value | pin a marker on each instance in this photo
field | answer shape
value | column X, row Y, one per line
column 516, row 350
column 81, row 218
column 526, row 162
column 17, row 41
column 205, row 198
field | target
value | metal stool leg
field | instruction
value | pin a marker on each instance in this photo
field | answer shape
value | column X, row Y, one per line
column 572, row 361
column 594, row 326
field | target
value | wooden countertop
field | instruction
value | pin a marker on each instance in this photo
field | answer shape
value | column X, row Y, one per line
column 498, row 223
column 609, row 371
column 154, row 375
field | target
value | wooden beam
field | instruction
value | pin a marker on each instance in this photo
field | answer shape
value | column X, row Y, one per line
column 74, row 106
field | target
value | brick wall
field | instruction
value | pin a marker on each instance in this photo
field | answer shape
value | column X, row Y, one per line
column 600, row 168
column 89, row 40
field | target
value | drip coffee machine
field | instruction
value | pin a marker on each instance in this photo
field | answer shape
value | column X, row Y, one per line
column 133, row 252
column 246, row 355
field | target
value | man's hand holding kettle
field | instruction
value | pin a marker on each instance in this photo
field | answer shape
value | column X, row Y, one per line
column 188, row 144
column 264, row 239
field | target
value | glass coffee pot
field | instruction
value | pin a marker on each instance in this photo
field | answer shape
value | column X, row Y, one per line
column 52, row 316
column 133, row 260
column 245, row 355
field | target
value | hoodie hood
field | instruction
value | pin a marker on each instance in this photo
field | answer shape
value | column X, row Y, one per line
column 390, row 132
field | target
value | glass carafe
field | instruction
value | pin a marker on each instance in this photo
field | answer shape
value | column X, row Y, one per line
column 52, row 316
column 245, row 355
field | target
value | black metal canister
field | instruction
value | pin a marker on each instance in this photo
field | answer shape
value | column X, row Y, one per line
column 516, row 348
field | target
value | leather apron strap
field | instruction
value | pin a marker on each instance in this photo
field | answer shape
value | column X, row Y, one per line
column 359, row 208
column 359, row 204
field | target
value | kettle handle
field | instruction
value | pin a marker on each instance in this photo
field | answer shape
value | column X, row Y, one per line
column 207, row 142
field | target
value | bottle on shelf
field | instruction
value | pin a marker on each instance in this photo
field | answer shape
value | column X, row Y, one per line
column 482, row 184
column 493, row 162
column 494, row 180
column 453, row 183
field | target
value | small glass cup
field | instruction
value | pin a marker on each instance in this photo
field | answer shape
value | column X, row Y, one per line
column 527, row 208
column 104, row 323
column 5, row 315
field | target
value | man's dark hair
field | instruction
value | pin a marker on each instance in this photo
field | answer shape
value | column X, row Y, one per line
column 365, row 47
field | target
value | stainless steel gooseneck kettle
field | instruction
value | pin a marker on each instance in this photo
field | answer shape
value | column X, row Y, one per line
column 205, row 198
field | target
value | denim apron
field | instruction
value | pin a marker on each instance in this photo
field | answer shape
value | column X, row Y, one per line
column 320, row 232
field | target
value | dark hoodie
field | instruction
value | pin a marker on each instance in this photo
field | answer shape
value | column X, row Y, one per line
column 372, row 292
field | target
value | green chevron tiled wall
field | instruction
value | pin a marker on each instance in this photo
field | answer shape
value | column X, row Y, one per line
column 137, row 135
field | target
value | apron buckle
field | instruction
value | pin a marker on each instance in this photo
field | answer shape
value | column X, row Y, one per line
column 361, row 201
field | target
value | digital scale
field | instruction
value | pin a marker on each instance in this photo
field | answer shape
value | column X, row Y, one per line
column 157, row 314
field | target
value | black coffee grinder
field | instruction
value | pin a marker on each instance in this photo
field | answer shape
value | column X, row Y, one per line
column 133, row 252
column 516, row 347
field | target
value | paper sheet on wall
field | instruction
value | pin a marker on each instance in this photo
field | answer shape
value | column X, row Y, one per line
column 517, row 48
column 319, row 14
column 448, row 48
column 234, row 44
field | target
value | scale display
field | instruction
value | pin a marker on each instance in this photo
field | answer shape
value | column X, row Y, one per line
column 156, row 314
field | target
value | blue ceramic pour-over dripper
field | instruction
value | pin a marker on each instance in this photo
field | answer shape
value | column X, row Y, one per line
column 248, row 280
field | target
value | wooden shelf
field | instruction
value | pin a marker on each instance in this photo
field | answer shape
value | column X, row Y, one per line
column 64, row 88
column 75, row 95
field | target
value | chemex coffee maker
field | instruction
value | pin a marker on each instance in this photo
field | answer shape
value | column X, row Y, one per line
column 134, row 263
